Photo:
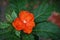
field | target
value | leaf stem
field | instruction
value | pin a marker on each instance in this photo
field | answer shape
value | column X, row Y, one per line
column 21, row 35
column 41, row 21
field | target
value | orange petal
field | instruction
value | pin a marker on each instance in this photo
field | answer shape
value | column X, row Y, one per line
column 17, row 24
column 30, row 24
column 27, row 30
column 26, row 16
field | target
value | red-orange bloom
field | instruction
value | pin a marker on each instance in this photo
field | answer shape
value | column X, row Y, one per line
column 24, row 22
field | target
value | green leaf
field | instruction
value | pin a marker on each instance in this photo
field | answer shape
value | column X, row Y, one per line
column 13, row 15
column 42, row 29
column 18, row 5
column 8, row 36
column 17, row 33
column 44, row 14
column 6, row 30
column 54, row 36
column 12, row 37
column 9, row 18
column 4, row 25
column 38, row 10
column 43, row 11
column 27, row 37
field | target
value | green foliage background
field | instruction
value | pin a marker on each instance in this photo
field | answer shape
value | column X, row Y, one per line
column 43, row 30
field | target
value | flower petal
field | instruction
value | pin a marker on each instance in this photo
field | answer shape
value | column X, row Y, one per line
column 17, row 24
column 31, row 24
column 27, row 30
column 25, row 15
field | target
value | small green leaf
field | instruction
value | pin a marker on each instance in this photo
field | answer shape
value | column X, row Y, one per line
column 4, row 25
column 13, row 15
column 17, row 33
column 27, row 37
column 9, row 18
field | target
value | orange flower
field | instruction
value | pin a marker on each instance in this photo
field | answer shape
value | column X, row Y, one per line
column 24, row 22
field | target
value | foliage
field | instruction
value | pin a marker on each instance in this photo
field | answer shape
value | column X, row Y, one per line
column 43, row 29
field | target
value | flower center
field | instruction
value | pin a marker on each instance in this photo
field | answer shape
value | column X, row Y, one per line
column 25, row 21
